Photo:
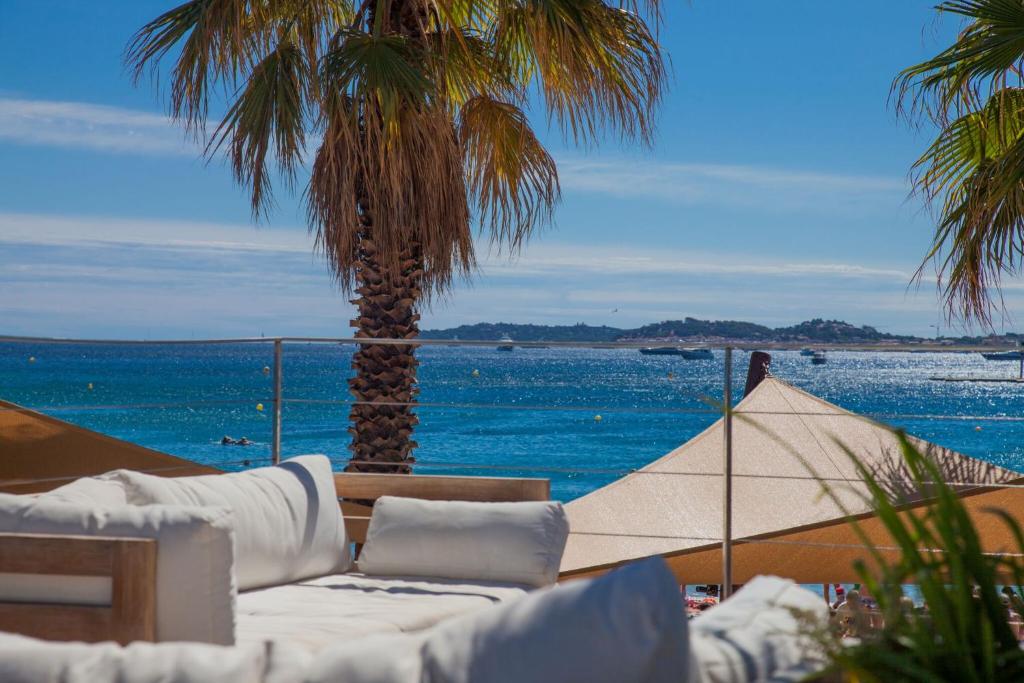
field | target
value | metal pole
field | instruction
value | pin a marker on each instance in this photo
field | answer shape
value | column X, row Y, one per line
column 727, row 478
column 275, row 447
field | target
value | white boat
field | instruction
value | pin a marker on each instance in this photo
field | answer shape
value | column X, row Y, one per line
column 818, row 358
column 505, row 346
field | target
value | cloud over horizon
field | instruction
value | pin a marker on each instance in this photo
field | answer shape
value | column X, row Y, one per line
column 98, row 276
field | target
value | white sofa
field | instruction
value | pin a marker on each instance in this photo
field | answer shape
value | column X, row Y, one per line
column 264, row 554
column 624, row 627
column 258, row 568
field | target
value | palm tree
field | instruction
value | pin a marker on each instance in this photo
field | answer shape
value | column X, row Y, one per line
column 416, row 110
column 973, row 173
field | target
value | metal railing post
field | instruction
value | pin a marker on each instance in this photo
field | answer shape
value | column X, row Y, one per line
column 727, row 478
column 275, row 444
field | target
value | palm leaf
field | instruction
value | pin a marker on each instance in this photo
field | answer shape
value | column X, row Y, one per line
column 973, row 174
column 511, row 175
column 269, row 113
column 597, row 66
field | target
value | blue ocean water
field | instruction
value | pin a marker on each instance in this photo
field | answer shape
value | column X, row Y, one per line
column 526, row 413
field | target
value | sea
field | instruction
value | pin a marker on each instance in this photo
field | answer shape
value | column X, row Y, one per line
column 581, row 417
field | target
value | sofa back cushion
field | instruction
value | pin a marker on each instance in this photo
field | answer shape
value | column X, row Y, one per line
column 195, row 591
column 288, row 524
column 507, row 542
column 105, row 491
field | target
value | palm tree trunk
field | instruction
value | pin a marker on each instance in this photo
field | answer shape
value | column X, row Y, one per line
column 384, row 385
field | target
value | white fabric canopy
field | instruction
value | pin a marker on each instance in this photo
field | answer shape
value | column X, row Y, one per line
column 782, row 438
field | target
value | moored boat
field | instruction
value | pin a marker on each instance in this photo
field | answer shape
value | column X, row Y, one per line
column 505, row 346
column 818, row 358
column 1003, row 355
column 807, row 351
column 687, row 353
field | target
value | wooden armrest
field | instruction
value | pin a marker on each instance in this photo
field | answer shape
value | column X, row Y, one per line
column 129, row 562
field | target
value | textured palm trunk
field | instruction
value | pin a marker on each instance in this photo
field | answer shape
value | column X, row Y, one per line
column 384, row 385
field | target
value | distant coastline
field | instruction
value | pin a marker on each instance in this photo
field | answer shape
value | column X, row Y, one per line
column 693, row 330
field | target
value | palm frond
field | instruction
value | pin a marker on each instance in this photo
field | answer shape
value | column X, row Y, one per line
column 598, row 67
column 216, row 41
column 270, row 112
column 974, row 171
column 465, row 66
column 389, row 72
column 972, row 174
column 986, row 56
column 512, row 177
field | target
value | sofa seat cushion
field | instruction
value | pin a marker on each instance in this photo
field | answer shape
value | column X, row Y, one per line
column 27, row 660
column 627, row 626
column 335, row 609
column 288, row 525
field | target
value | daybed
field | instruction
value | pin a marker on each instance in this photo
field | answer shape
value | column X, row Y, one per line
column 258, row 568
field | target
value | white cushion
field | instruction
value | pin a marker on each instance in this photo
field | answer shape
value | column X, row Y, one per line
column 756, row 634
column 334, row 609
column 628, row 626
column 288, row 524
column 26, row 660
column 102, row 491
column 195, row 592
column 506, row 542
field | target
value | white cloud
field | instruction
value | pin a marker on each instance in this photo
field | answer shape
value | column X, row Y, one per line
column 745, row 185
column 552, row 258
column 89, row 126
column 43, row 229
column 547, row 259
column 119, row 130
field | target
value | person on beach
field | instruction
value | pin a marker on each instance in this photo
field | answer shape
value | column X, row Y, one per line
column 854, row 620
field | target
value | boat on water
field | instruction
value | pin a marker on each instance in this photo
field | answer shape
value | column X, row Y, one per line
column 687, row 353
column 818, row 358
column 807, row 351
column 1004, row 355
column 505, row 346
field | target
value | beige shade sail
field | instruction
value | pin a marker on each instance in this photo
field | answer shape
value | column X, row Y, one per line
column 39, row 452
column 784, row 439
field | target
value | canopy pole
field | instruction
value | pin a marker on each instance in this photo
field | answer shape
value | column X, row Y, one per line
column 275, row 438
column 727, row 479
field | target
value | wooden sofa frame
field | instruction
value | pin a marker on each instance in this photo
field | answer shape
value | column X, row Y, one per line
column 130, row 563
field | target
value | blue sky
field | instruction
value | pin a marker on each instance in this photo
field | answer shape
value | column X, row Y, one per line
column 776, row 191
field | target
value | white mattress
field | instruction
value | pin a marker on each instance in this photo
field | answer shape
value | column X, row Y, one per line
column 342, row 607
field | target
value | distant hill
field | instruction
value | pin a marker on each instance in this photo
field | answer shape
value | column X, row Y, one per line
column 688, row 329
column 488, row 331
column 835, row 331
column 691, row 328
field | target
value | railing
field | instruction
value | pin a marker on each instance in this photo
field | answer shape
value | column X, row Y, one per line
column 710, row 408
